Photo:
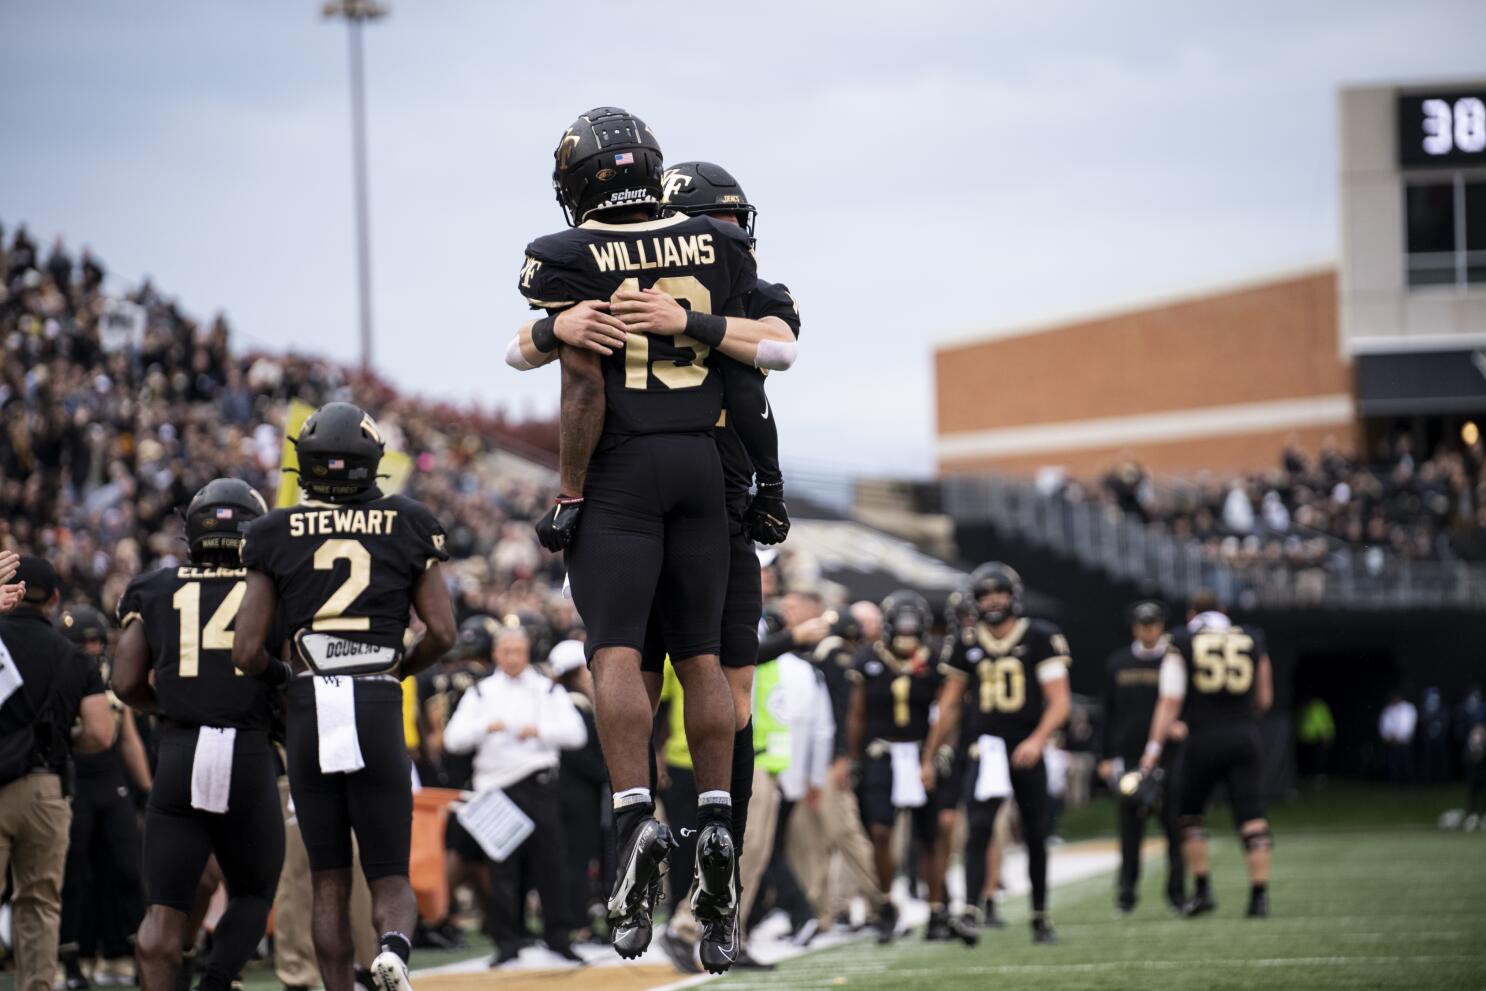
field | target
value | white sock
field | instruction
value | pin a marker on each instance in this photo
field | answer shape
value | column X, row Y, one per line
column 631, row 796
column 714, row 798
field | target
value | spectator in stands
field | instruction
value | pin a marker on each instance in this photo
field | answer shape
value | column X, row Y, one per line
column 1396, row 728
column 518, row 722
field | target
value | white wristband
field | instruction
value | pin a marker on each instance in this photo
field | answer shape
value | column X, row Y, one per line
column 1152, row 748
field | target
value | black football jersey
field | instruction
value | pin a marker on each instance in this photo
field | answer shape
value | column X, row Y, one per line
column 188, row 615
column 656, row 384
column 900, row 693
column 1006, row 697
column 440, row 688
column 750, row 442
column 1221, row 668
column 347, row 569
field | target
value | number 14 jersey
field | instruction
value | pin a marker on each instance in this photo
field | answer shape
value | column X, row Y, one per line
column 655, row 384
column 346, row 568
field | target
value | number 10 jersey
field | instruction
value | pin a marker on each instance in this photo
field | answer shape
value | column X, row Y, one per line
column 655, row 384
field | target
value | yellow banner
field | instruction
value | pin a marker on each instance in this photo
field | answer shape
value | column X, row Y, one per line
column 294, row 417
column 396, row 466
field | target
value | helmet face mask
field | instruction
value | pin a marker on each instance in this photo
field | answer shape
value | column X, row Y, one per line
column 86, row 627
column 905, row 623
column 701, row 188
column 339, row 449
column 998, row 592
column 607, row 159
column 216, row 519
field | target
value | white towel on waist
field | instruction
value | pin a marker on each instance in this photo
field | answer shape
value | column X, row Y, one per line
column 335, row 720
column 211, row 769
column 908, row 781
column 993, row 780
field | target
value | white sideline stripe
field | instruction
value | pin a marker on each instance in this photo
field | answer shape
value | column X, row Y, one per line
column 1102, row 965
column 1149, row 428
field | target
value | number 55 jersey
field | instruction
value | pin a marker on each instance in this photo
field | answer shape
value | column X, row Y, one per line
column 655, row 383
column 344, row 573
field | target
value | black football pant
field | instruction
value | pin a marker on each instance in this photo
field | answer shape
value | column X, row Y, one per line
column 102, row 888
column 1132, row 834
column 1029, row 788
column 540, row 860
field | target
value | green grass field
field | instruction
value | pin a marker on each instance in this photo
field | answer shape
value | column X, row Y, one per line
column 1395, row 909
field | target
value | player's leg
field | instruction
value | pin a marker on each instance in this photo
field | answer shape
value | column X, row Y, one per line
column 875, row 797
column 1176, row 877
column 250, row 869
column 1132, row 833
column 743, row 604
column 77, row 886
column 1246, row 793
column 980, row 825
column 1029, row 785
column 1198, row 778
column 177, row 844
column 932, row 863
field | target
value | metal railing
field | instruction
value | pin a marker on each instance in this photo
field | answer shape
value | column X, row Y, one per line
column 1123, row 546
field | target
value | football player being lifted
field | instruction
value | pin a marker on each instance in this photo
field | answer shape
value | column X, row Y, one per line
column 1217, row 679
column 216, row 784
column 340, row 572
column 895, row 684
column 1016, row 671
column 641, row 483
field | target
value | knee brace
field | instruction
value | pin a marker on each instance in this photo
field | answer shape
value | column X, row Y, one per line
column 1261, row 840
column 1192, row 827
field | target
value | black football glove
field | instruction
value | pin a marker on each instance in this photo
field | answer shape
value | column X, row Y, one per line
column 555, row 530
column 767, row 518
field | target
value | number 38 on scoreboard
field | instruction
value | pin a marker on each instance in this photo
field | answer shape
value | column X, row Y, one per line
column 1442, row 128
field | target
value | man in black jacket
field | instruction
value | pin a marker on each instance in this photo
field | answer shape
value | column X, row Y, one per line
column 1130, row 680
column 46, row 685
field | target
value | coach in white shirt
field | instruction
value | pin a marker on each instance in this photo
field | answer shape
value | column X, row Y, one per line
column 517, row 722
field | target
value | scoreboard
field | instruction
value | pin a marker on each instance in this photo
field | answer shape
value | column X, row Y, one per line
column 1444, row 128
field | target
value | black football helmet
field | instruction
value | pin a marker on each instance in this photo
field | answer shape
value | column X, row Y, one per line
column 216, row 519
column 960, row 609
column 905, row 614
column 339, row 449
column 608, row 158
column 996, row 577
column 81, row 624
column 538, row 632
column 696, row 188
column 476, row 641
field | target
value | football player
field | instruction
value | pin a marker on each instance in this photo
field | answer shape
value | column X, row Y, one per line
column 215, row 790
column 895, row 684
column 341, row 571
column 643, row 416
column 1130, row 677
column 1017, row 667
column 1217, row 679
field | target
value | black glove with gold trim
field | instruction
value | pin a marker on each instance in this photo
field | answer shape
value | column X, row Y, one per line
column 555, row 530
column 767, row 518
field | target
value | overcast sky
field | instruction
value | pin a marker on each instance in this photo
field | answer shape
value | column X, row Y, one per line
column 923, row 169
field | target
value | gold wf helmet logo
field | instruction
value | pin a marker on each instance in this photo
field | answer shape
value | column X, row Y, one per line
column 671, row 183
column 369, row 427
column 565, row 149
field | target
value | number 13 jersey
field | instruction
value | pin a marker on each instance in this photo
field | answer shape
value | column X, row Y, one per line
column 346, row 568
column 655, row 384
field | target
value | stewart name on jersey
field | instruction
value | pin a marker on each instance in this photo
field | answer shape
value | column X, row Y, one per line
column 656, row 384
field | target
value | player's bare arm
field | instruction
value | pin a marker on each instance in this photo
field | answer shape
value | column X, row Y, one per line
column 254, row 620
column 130, row 677
column 587, row 324
column 1055, row 714
column 431, row 603
column 651, row 311
column 1263, row 686
column 950, row 694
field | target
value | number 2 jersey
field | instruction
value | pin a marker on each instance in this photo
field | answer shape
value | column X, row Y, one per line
column 1006, row 676
column 346, row 568
column 655, row 384
column 188, row 614
column 1221, row 666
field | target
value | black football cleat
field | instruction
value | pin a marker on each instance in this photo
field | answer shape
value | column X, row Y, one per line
column 681, row 951
column 714, row 898
column 964, row 928
column 1042, row 933
column 635, row 888
column 1258, row 905
column 887, row 923
column 990, row 918
column 1199, row 904
column 937, row 931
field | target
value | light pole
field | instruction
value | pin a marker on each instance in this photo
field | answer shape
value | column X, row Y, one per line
column 356, row 13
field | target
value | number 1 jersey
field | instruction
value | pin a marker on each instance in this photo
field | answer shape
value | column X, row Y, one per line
column 655, row 384
column 346, row 568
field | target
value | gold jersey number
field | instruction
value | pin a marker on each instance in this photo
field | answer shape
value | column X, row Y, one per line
column 1224, row 662
column 902, row 688
column 1003, row 685
column 671, row 373
column 331, row 616
column 218, row 633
